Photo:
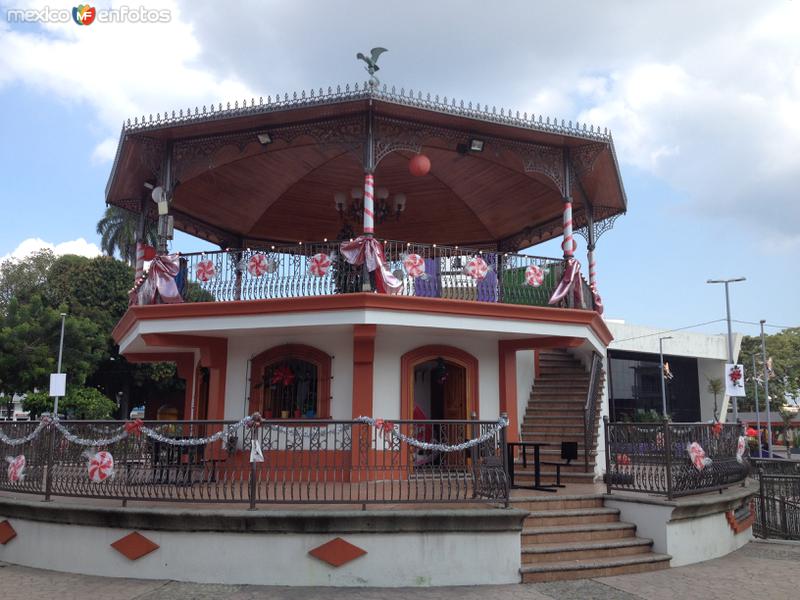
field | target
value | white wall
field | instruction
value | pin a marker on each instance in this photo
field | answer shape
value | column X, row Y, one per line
column 392, row 560
column 709, row 368
column 525, row 376
column 338, row 342
column 392, row 342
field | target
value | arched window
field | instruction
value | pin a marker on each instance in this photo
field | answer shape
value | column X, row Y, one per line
column 291, row 381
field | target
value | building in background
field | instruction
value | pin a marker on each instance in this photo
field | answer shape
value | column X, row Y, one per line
column 694, row 359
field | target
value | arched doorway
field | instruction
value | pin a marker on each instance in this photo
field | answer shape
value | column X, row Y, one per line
column 440, row 390
column 438, row 382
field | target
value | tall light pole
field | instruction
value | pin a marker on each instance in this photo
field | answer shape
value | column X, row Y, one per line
column 766, row 387
column 730, row 333
column 663, row 383
column 758, row 414
column 60, row 353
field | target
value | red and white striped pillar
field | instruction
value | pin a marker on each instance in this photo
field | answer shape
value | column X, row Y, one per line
column 592, row 267
column 568, row 245
column 369, row 204
column 139, row 260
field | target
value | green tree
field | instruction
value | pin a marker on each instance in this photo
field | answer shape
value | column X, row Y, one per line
column 117, row 231
column 784, row 382
column 20, row 278
column 29, row 342
column 79, row 403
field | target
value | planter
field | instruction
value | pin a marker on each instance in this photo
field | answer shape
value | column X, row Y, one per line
column 284, row 414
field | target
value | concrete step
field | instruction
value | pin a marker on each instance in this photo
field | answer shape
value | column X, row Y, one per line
column 566, row 551
column 545, row 428
column 551, row 518
column 575, row 467
column 574, row 533
column 557, row 502
column 548, row 477
column 588, row 568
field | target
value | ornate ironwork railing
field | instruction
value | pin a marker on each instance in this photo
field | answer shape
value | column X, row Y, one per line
column 318, row 269
column 778, row 504
column 654, row 457
column 590, row 409
column 304, row 462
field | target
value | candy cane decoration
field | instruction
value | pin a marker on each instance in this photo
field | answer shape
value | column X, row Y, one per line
column 568, row 245
column 414, row 265
column 139, row 260
column 205, row 270
column 477, row 268
column 100, row 467
column 319, row 264
column 534, row 276
column 16, row 468
column 260, row 264
column 369, row 205
column 592, row 268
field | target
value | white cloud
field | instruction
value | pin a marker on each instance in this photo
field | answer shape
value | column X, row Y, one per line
column 79, row 246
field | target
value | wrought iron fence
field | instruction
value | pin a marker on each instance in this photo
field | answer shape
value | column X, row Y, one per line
column 304, row 462
column 778, row 504
column 316, row 269
column 654, row 458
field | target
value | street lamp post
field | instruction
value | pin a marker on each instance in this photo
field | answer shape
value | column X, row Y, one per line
column 766, row 387
column 758, row 414
column 663, row 383
column 60, row 353
column 730, row 333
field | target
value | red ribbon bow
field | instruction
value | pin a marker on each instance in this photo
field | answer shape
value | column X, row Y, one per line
column 716, row 428
column 134, row 427
column 283, row 375
column 385, row 426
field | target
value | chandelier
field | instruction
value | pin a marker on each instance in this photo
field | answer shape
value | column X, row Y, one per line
column 383, row 206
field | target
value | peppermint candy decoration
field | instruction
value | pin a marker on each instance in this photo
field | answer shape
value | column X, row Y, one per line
column 205, row 270
column 414, row 265
column 319, row 264
column 741, row 446
column 477, row 268
column 534, row 276
column 698, row 456
column 259, row 264
column 16, row 468
column 101, row 467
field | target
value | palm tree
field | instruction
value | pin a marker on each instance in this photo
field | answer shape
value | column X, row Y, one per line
column 715, row 387
column 117, row 230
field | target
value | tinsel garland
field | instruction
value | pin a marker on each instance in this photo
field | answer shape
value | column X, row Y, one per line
column 252, row 420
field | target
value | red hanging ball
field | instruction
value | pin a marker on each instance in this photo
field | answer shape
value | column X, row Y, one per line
column 419, row 165
column 149, row 252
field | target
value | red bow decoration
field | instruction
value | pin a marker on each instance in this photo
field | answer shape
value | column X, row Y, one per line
column 716, row 428
column 368, row 250
column 571, row 281
column 385, row 426
column 283, row 375
column 134, row 427
column 160, row 279
column 623, row 459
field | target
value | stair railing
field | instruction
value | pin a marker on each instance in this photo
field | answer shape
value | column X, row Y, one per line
column 590, row 410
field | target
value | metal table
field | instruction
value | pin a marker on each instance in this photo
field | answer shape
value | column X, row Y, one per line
column 537, row 465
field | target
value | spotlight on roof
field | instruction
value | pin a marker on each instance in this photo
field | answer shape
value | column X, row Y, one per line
column 264, row 139
column 476, row 145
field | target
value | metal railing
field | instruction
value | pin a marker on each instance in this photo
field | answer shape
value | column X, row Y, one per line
column 653, row 457
column 590, row 409
column 305, row 462
column 778, row 503
column 284, row 272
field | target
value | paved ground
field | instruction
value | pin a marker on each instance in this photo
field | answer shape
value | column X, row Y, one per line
column 762, row 571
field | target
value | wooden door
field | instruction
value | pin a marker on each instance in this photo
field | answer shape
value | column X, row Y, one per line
column 455, row 393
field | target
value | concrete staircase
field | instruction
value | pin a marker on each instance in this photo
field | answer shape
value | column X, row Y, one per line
column 555, row 414
column 576, row 537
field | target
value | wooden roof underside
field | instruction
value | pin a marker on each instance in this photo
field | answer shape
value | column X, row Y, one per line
column 232, row 190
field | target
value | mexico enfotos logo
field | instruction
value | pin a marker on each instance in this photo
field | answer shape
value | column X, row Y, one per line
column 85, row 14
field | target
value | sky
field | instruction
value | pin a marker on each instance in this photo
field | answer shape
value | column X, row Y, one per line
column 703, row 99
